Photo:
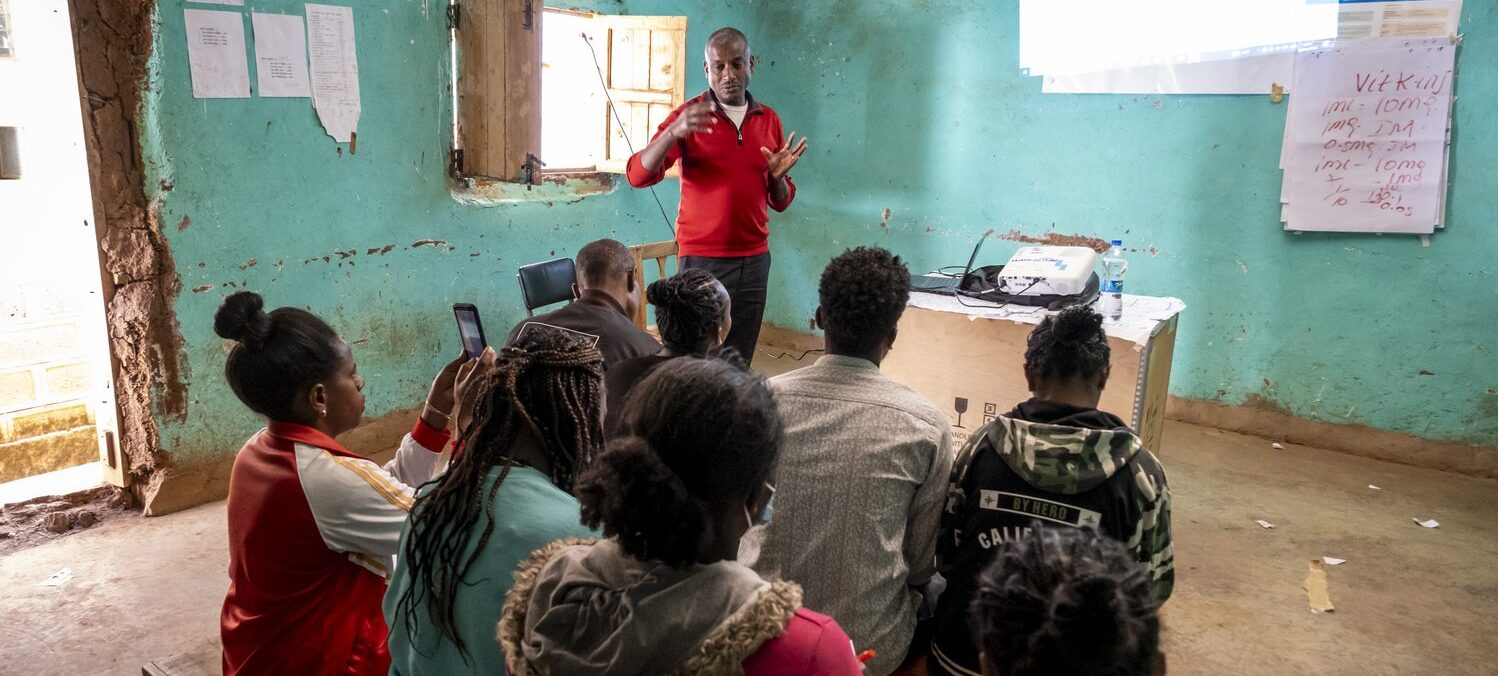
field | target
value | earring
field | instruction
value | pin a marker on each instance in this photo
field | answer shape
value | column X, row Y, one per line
column 322, row 412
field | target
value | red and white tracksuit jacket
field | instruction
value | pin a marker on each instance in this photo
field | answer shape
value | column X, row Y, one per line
column 312, row 529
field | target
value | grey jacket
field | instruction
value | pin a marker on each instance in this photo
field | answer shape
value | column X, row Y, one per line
column 860, row 489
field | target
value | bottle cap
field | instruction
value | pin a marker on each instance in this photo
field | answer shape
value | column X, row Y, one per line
column 1117, row 242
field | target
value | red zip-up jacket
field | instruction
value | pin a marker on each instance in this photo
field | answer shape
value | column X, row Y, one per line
column 725, row 182
column 312, row 529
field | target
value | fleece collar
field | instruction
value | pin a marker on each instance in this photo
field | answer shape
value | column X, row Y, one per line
column 577, row 606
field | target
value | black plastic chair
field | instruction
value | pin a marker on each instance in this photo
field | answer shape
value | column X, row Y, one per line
column 547, row 282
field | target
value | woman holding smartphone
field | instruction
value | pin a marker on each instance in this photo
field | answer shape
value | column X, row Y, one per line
column 531, row 421
column 312, row 525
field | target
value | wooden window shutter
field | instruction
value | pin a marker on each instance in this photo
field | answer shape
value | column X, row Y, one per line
column 645, row 65
column 499, row 86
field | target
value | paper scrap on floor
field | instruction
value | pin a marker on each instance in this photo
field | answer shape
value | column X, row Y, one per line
column 1277, row 446
column 1316, row 594
column 1374, row 488
column 58, row 578
column 1264, row 524
column 1333, row 561
column 1428, row 523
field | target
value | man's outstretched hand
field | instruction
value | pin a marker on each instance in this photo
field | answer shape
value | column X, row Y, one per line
column 780, row 163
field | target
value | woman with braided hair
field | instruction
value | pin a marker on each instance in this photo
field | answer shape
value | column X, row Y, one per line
column 694, row 315
column 1066, row 602
column 1056, row 458
column 530, row 420
column 663, row 594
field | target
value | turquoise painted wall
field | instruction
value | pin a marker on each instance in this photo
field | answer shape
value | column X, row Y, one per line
column 258, row 179
column 915, row 107
column 918, row 107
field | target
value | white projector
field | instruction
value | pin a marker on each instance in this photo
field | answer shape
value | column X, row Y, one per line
column 1047, row 271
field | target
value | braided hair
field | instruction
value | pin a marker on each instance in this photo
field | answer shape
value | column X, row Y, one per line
column 697, row 435
column 548, row 385
column 689, row 310
column 1065, row 601
column 1068, row 346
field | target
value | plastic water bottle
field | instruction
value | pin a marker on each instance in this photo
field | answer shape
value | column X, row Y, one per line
column 1114, row 267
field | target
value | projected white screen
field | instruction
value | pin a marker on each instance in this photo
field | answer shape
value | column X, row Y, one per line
column 1080, row 36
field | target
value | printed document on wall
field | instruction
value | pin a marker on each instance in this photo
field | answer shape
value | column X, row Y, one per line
column 215, row 54
column 280, row 55
column 1367, row 136
column 335, row 69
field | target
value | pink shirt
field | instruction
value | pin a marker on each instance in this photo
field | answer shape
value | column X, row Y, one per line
column 812, row 644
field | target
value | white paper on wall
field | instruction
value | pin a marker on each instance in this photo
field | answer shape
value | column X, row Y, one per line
column 335, row 69
column 1367, row 133
column 215, row 54
column 280, row 55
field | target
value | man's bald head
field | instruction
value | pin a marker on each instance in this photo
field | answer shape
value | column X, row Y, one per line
column 604, row 262
column 728, row 37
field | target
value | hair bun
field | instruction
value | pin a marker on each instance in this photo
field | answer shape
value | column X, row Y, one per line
column 1076, row 324
column 663, row 292
column 242, row 318
column 639, row 499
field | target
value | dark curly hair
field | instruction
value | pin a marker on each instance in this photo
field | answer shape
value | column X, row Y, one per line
column 1065, row 601
column 276, row 356
column 697, row 435
column 688, row 310
column 863, row 293
column 548, row 384
column 1069, row 345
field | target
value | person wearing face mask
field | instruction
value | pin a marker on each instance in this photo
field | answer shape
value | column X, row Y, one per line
column 692, row 311
column 312, row 525
column 735, row 161
column 662, row 593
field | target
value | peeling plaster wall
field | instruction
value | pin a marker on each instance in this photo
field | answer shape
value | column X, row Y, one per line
column 113, row 42
column 925, row 135
column 253, row 194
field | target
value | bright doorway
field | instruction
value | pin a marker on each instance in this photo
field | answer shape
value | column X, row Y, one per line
column 57, row 405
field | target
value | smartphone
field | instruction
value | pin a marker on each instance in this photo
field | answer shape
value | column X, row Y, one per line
column 470, row 329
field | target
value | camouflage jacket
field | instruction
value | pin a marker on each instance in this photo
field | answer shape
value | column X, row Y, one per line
column 1013, row 474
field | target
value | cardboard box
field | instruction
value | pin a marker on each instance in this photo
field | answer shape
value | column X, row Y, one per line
column 972, row 366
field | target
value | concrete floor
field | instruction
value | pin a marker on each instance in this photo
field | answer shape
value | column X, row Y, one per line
column 1409, row 600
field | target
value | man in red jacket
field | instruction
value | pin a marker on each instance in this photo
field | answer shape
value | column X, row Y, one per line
column 734, row 159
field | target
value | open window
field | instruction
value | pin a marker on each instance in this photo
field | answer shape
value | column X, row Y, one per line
column 544, row 90
column 6, row 51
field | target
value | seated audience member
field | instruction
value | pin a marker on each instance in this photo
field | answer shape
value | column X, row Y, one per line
column 692, row 314
column 605, row 307
column 530, row 424
column 1066, row 602
column 663, row 593
column 864, row 474
column 1055, row 457
column 312, row 525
